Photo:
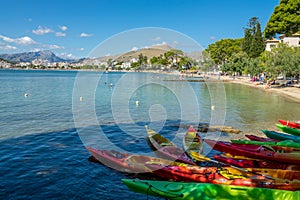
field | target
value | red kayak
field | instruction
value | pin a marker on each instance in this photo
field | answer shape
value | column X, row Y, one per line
column 126, row 162
column 261, row 139
column 257, row 153
column 290, row 124
column 252, row 163
column 225, row 176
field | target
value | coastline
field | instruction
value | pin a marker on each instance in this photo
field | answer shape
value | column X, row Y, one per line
column 291, row 93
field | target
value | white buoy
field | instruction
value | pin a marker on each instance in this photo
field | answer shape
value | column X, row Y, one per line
column 80, row 98
column 137, row 103
column 25, row 95
column 212, row 107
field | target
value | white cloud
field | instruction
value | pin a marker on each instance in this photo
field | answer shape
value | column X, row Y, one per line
column 156, row 38
column 85, row 35
column 54, row 46
column 20, row 41
column 60, row 34
column 63, row 28
column 212, row 37
column 42, row 30
column 134, row 49
column 7, row 47
column 67, row 55
column 81, row 49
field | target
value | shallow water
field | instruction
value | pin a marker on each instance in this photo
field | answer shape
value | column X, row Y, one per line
column 42, row 136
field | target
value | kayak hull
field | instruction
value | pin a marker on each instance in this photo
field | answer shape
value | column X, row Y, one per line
column 184, row 191
column 259, row 153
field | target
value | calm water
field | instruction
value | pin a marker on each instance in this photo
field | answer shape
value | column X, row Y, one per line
column 42, row 136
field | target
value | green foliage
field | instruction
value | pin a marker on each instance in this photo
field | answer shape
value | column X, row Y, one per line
column 222, row 50
column 257, row 44
column 285, row 19
column 253, row 43
column 247, row 41
column 207, row 63
column 236, row 63
column 281, row 60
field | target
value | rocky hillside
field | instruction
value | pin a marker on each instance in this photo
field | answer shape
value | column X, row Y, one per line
column 30, row 56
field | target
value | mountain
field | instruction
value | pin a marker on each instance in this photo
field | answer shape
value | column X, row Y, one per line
column 30, row 56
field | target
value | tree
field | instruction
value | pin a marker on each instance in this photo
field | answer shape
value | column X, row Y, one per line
column 221, row 50
column 236, row 63
column 285, row 19
column 207, row 64
column 247, row 41
column 257, row 44
column 253, row 67
column 279, row 61
column 253, row 43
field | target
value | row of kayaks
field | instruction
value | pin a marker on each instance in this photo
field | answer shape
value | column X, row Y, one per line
column 261, row 168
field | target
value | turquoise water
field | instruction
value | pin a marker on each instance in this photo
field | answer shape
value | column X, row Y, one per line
column 42, row 135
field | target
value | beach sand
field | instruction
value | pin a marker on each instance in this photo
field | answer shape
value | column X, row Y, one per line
column 292, row 93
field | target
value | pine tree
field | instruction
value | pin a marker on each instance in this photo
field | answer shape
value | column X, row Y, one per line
column 247, row 41
column 257, row 43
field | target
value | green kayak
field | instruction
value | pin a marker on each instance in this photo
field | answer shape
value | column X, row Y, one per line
column 285, row 143
column 181, row 190
column 281, row 136
column 286, row 129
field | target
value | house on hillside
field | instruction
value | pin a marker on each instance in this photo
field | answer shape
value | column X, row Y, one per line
column 292, row 41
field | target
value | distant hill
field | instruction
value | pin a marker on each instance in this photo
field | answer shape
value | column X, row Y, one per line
column 155, row 50
column 30, row 56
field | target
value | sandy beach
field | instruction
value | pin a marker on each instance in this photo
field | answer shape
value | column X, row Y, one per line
column 292, row 93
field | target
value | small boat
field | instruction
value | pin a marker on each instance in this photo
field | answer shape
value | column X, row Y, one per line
column 165, row 148
column 258, row 153
column 228, row 176
column 291, row 145
column 127, row 162
column 185, row 191
column 286, row 129
column 290, row 124
column 192, row 142
column 262, row 139
column 281, row 136
column 252, row 163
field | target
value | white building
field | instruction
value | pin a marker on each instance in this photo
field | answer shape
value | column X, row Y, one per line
column 292, row 41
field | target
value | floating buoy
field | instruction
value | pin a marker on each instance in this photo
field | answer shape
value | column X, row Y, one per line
column 80, row 98
column 212, row 107
column 25, row 95
column 137, row 103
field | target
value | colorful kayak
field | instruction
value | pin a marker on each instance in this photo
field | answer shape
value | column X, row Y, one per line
column 262, row 139
column 127, row 162
column 259, row 153
column 290, row 124
column 189, row 191
column 230, row 176
column 245, row 163
column 285, row 143
column 281, row 136
column 286, row 129
column 165, row 148
column 192, row 142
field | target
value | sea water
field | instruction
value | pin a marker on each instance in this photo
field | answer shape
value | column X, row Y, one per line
column 47, row 118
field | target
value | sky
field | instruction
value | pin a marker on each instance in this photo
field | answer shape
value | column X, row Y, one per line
column 72, row 29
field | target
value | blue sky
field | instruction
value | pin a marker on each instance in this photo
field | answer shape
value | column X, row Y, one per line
column 74, row 28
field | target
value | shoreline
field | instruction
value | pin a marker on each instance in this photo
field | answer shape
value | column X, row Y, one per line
column 291, row 93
